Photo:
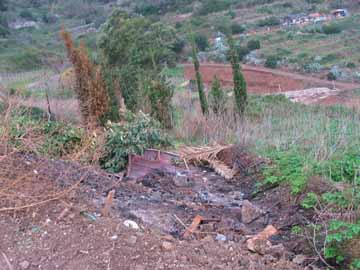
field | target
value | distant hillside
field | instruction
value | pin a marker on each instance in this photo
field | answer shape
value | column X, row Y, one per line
column 29, row 30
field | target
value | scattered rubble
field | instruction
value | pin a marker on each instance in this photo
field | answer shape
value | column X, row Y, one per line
column 191, row 208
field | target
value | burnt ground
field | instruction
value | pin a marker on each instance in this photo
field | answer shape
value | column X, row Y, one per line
column 57, row 221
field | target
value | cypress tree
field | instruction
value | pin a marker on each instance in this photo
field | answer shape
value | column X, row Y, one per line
column 240, row 87
column 199, row 81
column 217, row 97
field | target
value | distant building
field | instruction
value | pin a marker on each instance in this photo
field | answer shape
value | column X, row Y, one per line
column 294, row 19
column 340, row 13
column 23, row 24
column 302, row 19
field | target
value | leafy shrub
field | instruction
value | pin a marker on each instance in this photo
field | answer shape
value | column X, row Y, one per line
column 201, row 41
column 288, row 167
column 330, row 29
column 253, row 44
column 56, row 138
column 350, row 65
column 272, row 61
column 160, row 93
column 26, row 14
column 328, row 58
column 217, row 97
column 309, row 201
column 211, row 6
column 27, row 59
column 344, row 168
column 60, row 139
column 331, row 76
column 340, row 233
column 242, row 52
column 137, row 134
column 271, row 21
column 237, row 28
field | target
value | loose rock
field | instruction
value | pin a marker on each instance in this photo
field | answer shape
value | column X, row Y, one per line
column 167, row 246
column 249, row 212
column 131, row 224
column 299, row 259
column 24, row 265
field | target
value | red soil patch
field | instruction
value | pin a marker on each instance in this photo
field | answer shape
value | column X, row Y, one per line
column 262, row 80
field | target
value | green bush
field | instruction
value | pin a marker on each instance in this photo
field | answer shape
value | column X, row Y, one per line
column 60, row 139
column 253, row 44
column 242, row 52
column 57, row 138
column 272, row 61
column 26, row 14
column 237, row 28
column 27, row 59
column 351, row 65
column 330, row 29
column 331, row 76
column 340, row 233
column 201, row 41
column 288, row 167
column 271, row 21
column 211, row 6
column 134, row 137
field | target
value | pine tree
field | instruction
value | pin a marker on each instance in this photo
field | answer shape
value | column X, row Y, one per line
column 217, row 98
column 240, row 87
column 199, row 81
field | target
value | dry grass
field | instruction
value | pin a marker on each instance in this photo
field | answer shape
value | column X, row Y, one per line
column 280, row 125
column 63, row 109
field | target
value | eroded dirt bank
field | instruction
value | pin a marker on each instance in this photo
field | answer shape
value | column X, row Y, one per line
column 65, row 228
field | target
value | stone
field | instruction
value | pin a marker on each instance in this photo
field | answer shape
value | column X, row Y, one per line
column 299, row 259
column 181, row 180
column 167, row 246
column 131, row 224
column 260, row 243
column 131, row 240
column 277, row 251
column 139, row 267
column 24, row 265
column 249, row 212
column 220, row 237
column 114, row 237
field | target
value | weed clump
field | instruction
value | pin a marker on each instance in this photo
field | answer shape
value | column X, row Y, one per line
column 138, row 133
column 90, row 87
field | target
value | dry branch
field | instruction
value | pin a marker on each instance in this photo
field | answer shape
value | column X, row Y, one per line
column 208, row 155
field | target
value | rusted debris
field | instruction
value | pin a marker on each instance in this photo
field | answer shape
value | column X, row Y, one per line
column 194, row 225
column 150, row 161
column 108, row 202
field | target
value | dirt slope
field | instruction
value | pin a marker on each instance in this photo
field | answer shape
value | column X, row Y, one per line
column 47, row 237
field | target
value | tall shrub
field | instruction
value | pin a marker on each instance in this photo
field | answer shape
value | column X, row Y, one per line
column 90, row 87
column 240, row 87
column 217, row 98
column 160, row 94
